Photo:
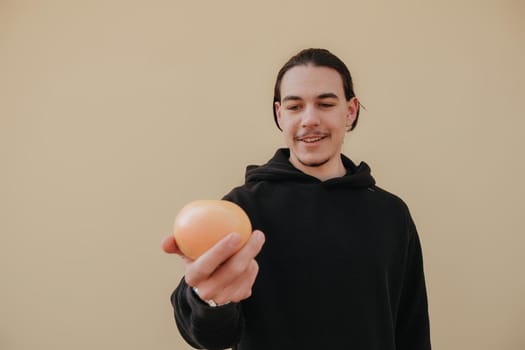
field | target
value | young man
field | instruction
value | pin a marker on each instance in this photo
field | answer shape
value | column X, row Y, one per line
column 339, row 265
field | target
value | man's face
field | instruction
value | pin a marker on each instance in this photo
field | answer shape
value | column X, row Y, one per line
column 314, row 116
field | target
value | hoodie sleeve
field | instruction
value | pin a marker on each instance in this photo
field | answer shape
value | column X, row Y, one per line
column 205, row 327
column 413, row 329
column 202, row 326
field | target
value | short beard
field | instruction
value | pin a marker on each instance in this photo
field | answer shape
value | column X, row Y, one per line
column 314, row 165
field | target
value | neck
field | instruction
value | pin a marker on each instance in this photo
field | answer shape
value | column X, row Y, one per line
column 323, row 172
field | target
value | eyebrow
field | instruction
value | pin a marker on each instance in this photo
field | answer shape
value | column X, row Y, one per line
column 319, row 97
column 328, row 95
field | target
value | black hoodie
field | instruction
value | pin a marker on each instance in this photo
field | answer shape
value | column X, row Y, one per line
column 341, row 268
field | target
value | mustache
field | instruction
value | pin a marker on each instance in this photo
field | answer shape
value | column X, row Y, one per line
column 305, row 134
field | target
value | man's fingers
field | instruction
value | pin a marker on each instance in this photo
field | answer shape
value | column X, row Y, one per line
column 238, row 263
column 243, row 289
column 237, row 290
column 169, row 245
column 208, row 262
column 252, row 247
column 237, row 266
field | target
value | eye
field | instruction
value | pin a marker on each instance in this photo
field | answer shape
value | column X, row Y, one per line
column 326, row 105
column 293, row 107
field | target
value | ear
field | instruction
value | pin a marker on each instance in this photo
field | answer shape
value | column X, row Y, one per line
column 277, row 106
column 353, row 107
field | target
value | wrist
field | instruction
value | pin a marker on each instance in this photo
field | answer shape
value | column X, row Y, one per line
column 209, row 302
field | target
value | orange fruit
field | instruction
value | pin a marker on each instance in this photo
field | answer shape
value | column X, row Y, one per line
column 202, row 223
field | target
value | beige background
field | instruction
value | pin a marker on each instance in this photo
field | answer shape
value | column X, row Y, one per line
column 116, row 113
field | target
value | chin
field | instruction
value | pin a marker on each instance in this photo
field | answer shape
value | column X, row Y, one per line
column 313, row 161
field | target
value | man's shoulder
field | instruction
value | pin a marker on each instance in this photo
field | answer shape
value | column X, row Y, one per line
column 389, row 197
column 242, row 192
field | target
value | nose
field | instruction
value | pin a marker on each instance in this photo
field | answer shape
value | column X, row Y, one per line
column 310, row 117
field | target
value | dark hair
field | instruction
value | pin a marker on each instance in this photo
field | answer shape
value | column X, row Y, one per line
column 320, row 58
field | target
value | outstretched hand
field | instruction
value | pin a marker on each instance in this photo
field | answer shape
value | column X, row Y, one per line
column 221, row 273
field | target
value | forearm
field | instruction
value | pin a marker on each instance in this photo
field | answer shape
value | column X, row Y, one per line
column 203, row 326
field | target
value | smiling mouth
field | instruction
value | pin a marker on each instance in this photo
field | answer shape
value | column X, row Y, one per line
column 311, row 139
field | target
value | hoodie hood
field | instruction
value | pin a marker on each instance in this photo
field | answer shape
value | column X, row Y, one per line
column 280, row 169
